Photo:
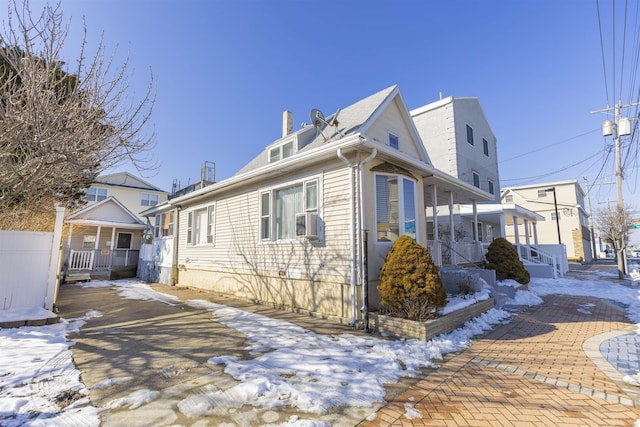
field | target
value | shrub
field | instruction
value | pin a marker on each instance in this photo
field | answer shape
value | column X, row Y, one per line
column 503, row 258
column 410, row 284
column 466, row 284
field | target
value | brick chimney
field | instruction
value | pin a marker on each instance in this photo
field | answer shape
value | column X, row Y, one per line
column 287, row 123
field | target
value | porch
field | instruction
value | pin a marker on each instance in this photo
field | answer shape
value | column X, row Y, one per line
column 101, row 263
column 540, row 260
column 103, row 242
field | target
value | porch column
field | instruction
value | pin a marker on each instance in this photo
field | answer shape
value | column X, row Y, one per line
column 97, row 242
column 70, row 234
column 452, row 228
column 503, row 231
column 535, row 233
column 526, row 231
column 113, row 238
column 434, row 190
column 515, row 229
column 475, row 221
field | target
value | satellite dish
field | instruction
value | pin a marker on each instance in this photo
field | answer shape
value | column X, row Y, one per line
column 317, row 118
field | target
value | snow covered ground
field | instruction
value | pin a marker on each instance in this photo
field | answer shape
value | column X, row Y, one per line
column 292, row 366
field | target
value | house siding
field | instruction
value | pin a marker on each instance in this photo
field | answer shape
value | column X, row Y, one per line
column 437, row 131
column 130, row 197
column 311, row 276
column 392, row 122
column 573, row 231
column 471, row 157
column 105, row 237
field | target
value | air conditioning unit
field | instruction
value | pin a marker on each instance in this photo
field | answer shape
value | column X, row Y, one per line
column 307, row 225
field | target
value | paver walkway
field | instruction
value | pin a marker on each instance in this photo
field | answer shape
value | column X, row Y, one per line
column 545, row 368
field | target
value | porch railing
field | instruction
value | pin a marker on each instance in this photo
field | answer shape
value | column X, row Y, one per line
column 538, row 256
column 103, row 260
column 469, row 252
column 81, row 260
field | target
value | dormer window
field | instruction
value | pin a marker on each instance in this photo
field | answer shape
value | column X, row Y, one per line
column 282, row 151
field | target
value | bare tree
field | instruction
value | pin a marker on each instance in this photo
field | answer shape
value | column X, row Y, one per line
column 60, row 127
column 614, row 224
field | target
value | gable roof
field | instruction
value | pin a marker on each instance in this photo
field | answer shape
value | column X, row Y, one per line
column 569, row 182
column 125, row 179
column 107, row 212
column 357, row 118
column 454, row 100
column 319, row 145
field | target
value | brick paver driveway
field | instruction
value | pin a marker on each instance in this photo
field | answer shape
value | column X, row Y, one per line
column 540, row 369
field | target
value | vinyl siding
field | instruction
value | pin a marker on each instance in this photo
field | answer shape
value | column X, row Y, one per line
column 105, row 237
column 391, row 121
column 237, row 246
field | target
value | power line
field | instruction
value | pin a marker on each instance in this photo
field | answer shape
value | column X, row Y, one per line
column 604, row 67
column 554, row 144
column 624, row 40
column 535, row 178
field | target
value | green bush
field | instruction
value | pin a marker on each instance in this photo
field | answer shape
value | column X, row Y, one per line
column 503, row 258
column 411, row 286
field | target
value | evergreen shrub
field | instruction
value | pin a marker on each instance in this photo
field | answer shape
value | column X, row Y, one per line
column 503, row 258
column 410, row 284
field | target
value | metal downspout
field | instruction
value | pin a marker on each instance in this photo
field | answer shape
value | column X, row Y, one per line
column 174, row 261
column 365, row 284
column 356, row 232
column 352, row 208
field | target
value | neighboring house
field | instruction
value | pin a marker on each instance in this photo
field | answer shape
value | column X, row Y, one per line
column 572, row 230
column 308, row 222
column 134, row 193
column 103, row 242
column 105, row 236
column 460, row 141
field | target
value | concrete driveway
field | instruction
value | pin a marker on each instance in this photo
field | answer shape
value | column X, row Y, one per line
column 163, row 350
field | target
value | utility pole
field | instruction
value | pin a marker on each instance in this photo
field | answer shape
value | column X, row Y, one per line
column 621, row 127
column 593, row 235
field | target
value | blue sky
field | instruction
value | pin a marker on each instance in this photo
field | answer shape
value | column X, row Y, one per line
column 226, row 70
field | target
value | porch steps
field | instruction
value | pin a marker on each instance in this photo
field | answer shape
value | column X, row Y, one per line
column 77, row 276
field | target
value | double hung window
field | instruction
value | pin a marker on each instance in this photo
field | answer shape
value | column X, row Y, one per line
column 95, row 194
column 164, row 224
column 279, row 208
column 282, row 151
column 201, row 226
column 147, row 199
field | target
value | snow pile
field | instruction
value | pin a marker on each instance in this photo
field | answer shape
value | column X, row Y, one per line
column 315, row 373
column 37, row 373
column 291, row 366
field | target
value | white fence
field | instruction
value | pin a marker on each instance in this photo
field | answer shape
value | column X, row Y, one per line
column 29, row 266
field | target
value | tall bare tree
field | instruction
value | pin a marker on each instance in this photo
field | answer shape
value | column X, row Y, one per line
column 61, row 125
column 614, row 225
